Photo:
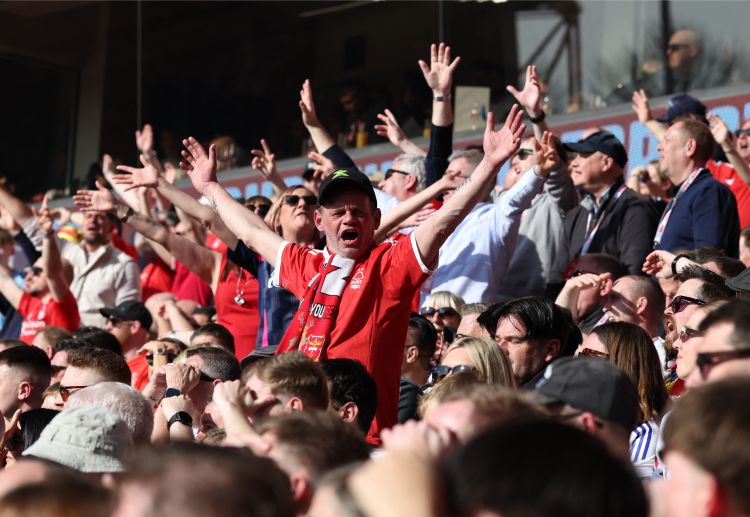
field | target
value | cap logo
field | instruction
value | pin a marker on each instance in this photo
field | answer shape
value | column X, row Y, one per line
column 339, row 174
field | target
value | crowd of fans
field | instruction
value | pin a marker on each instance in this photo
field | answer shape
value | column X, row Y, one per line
column 571, row 342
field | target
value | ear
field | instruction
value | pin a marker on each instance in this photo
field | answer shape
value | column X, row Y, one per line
column 24, row 390
column 717, row 503
column 690, row 147
column 587, row 422
column 318, row 219
column 641, row 304
column 605, row 287
column 412, row 354
column 607, row 162
column 135, row 326
column 295, row 404
column 301, row 490
column 377, row 218
column 552, row 349
column 349, row 412
column 411, row 182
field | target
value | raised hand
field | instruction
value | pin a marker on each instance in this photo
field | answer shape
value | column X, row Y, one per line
column 390, row 128
column 146, row 176
column 439, row 74
column 199, row 165
column 307, row 106
column 501, row 145
column 264, row 161
column 43, row 216
column 641, row 106
column 7, row 222
column 720, row 130
column 100, row 200
column 182, row 376
column 324, row 167
column 531, row 95
column 659, row 264
column 545, row 155
column 107, row 166
column 170, row 173
column 144, row 140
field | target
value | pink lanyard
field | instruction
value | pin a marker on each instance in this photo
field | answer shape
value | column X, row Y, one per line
column 668, row 211
column 610, row 203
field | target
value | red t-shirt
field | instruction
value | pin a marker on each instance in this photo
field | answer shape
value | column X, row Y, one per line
column 241, row 320
column 727, row 174
column 123, row 246
column 215, row 244
column 138, row 372
column 37, row 315
column 373, row 313
column 156, row 277
column 189, row 286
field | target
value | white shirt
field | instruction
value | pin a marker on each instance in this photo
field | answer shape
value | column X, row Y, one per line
column 474, row 259
column 104, row 278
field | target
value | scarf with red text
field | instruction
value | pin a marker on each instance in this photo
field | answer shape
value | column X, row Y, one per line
column 310, row 330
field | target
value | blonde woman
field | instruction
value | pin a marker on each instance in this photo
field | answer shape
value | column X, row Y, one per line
column 479, row 355
column 444, row 310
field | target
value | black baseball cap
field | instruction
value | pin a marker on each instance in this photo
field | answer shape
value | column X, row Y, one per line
column 591, row 384
column 129, row 311
column 740, row 283
column 681, row 106
column 346, row 178
column 602, row 141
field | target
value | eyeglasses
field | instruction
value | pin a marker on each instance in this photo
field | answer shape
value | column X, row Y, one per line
column 740, row 132
column 590, row 352
column 686, row 333
column 34, row 270
column 67, row 391
column 390, row 173
column 294, row 200
column 260, row 209
column 440, row 372
column 114, row 320
column 679, row 302
column 674, row 47
column 707, row 360
column 522, row 154
column 442, row 311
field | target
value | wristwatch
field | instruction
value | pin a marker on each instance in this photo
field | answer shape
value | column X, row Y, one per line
column 172, row 392
column 181, row 417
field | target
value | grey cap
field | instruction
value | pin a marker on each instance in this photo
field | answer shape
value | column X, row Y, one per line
column 741, row 282
column 89, row 439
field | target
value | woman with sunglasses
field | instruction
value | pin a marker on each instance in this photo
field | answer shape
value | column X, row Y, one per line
column 630, row 348
column 443, row 309
column 480, row 356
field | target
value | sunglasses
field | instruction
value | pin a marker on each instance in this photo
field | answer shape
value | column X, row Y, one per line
column 589, row 352
column 674, row 47
column 114, row 320
column 150, row 357
column 391, row 172
column 207, row 378
column 294, row 200
column 66, row 391
column 740, row 132
column 442, row 311
column 260, row 209
column 440, row 372
column 522, row 154
column 34, row 270
column 679, row 302
column 686, row 333
column 707, row 360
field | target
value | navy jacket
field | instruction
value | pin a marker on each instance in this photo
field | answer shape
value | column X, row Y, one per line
column 705, row 215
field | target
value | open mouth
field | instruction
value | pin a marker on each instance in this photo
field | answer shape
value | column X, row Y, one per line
column 349, row 236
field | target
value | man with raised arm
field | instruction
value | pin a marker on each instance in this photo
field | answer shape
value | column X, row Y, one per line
column 46, row 298
column 356, row 294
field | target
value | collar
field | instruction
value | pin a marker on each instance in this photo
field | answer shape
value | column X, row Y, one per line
column 676, row 188
column 593, row 205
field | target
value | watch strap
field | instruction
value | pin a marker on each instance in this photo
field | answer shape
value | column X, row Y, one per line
column 172, row 392
column 181, row 417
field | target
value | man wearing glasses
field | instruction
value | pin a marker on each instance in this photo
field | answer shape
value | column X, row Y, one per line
column 725, row 349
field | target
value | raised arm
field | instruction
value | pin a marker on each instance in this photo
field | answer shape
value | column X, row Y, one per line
column 439, row 78
column 51, row 260
column 148, row 176
column 498, row 147
column 8, row 286
column 20, row 211
column 392, row 218
column 724, row 138
column 244, row 223
column 198, row 259
column 391, row 130
column 321, row 138
column 531, row 100
column 642, row 110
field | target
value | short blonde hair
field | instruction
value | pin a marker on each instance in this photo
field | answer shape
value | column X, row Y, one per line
column 440, row 299
column 490, row 360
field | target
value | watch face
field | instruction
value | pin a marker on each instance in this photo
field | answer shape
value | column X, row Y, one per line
column 172, row 392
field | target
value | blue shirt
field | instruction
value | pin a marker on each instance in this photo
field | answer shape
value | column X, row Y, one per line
column 276, row 306
column 704, row 215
